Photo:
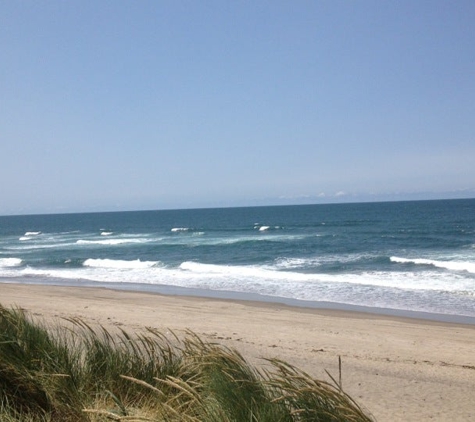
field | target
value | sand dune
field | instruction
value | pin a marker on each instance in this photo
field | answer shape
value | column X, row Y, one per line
column 398, row 369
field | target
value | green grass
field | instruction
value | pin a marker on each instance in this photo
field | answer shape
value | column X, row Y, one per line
column 76, row 372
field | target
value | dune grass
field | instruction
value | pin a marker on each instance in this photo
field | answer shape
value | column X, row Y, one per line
column 76, row 372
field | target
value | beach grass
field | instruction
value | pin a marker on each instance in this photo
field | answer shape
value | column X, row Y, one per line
column 72, row 371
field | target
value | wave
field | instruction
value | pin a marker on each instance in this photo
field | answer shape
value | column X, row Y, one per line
column 119, row 264
column 436, row 289
column 197, row 239
column 29, row 236
column 245, row 273
column 255, row 275
column 384, row 290
column 180, row 229
column 109, row 241
column 266, row 228
column 10, row 262
column 448, row 265
column 36, row 246
column 253, row 279
column 104, row 233
column 312, row 262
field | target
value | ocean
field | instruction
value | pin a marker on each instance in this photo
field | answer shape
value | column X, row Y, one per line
column 411, row 257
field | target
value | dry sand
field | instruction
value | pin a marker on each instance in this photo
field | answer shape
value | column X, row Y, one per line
column 398, row 369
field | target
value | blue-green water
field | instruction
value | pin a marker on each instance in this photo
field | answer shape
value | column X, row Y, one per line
column 416, row 256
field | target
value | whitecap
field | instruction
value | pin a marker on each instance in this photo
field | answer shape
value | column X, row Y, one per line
column 32, row 233
column 104, row 233
column 294, row 263
column 111, row 242
column 264, row 228
column 10, row 262
column 244, row 273
column 180, row 229
column 118, row 264
column 448, row 265
column 248, row 277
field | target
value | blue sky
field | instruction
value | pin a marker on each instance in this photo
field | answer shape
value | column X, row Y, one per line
column 122, row 105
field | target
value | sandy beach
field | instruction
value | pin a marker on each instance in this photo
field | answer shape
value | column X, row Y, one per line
column 399, row 369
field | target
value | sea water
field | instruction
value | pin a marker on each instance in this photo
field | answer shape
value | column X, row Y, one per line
column 412, row 256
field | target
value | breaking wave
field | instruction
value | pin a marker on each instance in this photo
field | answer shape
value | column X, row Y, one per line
column 10, row 262
column 448, row 265
column 109, row 241
column 119, row 264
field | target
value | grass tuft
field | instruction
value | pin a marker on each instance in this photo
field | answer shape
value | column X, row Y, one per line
column 77, row 372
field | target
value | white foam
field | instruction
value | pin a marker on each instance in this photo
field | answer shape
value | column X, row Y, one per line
column 362, row 289
column 106, row 233
column 119, row 264
column 248, row 276
column 10, row 262
column 385, row 289
column 29, row 236
column 198, row 239
column 295, row 263
column 34, row 246
column 245, row 273
column 449, row 265
column 109, row 241
column 180, row 229
column 264, row 228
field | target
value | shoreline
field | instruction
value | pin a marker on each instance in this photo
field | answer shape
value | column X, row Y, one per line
column 178, row 291
column 399, row 369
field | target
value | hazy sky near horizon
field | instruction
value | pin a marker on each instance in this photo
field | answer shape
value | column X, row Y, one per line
column 122, row 105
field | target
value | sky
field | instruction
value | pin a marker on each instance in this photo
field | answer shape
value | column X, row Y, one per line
column 129, row 105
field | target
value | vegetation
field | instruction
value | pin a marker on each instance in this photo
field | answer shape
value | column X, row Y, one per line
column 74, row 372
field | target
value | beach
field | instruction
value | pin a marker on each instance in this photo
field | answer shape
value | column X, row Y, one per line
column 398, row 369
